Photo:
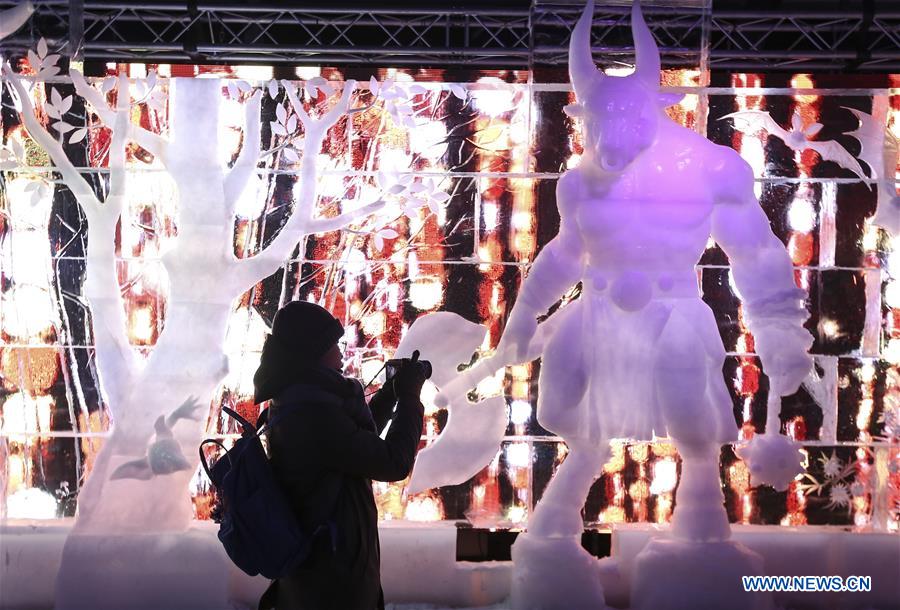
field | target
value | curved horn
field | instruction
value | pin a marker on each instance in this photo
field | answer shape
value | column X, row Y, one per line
column 645, row 50
column 581, row 63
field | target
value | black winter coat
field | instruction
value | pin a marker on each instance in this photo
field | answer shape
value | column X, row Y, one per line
column 324, row 453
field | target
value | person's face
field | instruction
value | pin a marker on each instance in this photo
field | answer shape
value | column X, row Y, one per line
column 334, row 358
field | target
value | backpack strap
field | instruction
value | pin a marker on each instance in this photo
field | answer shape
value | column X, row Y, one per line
column 203, row 461
column 248, row 428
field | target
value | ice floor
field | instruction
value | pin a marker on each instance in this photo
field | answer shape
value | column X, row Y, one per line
column 420, row 571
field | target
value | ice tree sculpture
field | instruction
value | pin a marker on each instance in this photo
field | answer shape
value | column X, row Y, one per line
column 638, row 354
column 138, row 487
column 14, row 18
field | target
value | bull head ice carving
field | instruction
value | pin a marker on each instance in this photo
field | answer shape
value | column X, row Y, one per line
column 638, row 354
column 620, row 113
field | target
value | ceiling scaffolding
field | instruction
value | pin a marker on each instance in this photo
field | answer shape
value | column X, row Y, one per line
column 727, row 36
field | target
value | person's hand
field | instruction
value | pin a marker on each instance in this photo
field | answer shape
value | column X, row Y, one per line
column 409, row 379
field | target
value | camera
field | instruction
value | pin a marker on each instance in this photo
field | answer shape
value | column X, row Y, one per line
column 392, row 367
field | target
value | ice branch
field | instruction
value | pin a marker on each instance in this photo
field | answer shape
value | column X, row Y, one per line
column 251, row 270
column 101, row 285
column 118, row 146
column 94, row 97
column 247, row 160
column 297, row 105
column 14, row 18
column 76, row 183
column 153, row 143
column 323, row 225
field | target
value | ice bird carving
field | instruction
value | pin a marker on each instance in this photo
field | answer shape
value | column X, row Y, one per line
column 164, row 454
column 797, row 137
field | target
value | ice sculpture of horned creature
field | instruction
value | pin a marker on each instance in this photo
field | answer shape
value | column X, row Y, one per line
column 638, row 355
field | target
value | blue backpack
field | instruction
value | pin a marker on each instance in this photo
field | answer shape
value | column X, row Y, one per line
column 257, row 527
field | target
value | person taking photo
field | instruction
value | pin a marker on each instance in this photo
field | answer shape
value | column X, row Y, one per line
column 326, row 451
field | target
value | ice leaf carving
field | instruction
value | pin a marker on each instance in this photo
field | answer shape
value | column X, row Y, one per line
column 315, row 84
column 62, row 127
column 34, row 61
column 383, row 234
column 278, row 128
column 18, row 150
column 458, row 90
column 77, row 135
column 65, row 104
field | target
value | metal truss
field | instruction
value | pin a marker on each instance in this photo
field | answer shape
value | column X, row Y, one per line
column 532, row 33
column 808, row 40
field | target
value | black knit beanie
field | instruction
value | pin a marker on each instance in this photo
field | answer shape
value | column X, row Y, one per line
column 301, row 334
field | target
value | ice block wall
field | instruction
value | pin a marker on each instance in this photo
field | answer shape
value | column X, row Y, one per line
column 478, row 155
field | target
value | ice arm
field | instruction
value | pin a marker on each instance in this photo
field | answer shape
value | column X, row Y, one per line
column 554, row 271
column 773, row 305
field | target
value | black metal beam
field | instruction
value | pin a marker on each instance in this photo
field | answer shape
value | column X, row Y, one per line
column 518, row 35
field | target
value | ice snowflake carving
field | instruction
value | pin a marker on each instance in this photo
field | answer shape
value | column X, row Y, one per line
column 838, row 480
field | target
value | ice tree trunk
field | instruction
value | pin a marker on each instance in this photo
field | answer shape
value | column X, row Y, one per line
column 188, row 359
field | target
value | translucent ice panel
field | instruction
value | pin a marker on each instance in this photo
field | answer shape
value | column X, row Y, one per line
column 822, row 144
column 49, row 389
column 471, row 177
column 498, row 496
column 40, row 475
